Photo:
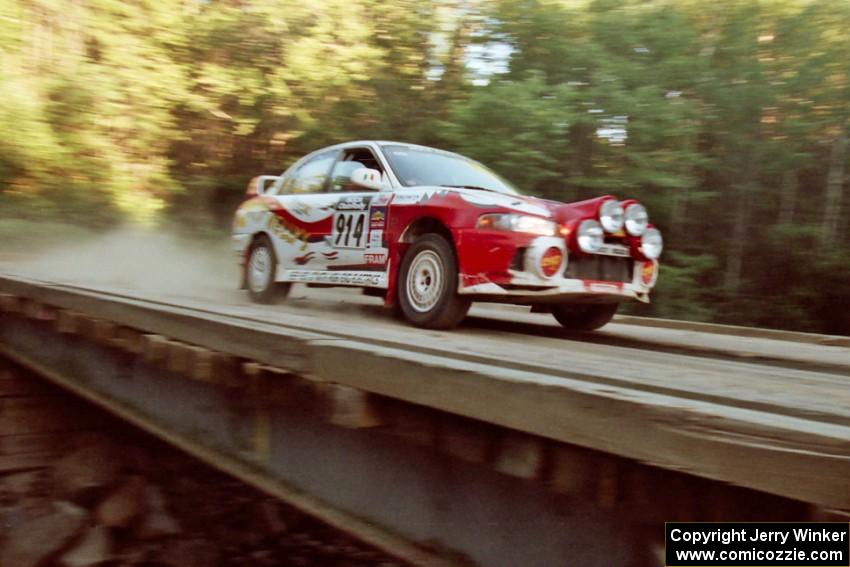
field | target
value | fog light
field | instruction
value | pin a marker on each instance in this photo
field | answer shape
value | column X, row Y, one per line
column 647, row 273
column 551, row 261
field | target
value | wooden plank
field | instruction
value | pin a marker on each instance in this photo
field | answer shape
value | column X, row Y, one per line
column 214, row 367
column 129, row 340
column 24, row 386
column 350, row 408
column 103, row 331
column 9, row 463
column 155, row 348
column 179, row 357
column 32, row 309
column 465, row 439
column 571, row 470
column 414, row 424
column 520, row 455
column 67, row 321
column 10, row 303
column 32, row 443
column 20, row 416
column 275, row 386
column 786, row 455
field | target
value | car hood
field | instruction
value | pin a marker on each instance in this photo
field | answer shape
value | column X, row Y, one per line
column 558, row 211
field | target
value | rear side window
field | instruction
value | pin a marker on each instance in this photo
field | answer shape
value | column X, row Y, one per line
column 311, row 176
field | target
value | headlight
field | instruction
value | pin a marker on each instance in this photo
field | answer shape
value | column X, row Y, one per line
column 636, row 219
column 651, row 243
column 590, row 236
column 611, row 216
column 518, row 223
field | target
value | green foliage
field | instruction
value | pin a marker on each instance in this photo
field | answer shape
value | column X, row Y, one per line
column 728, row 119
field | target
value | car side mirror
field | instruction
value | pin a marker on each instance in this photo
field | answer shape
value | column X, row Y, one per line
column 368, row 178
column 260, row 184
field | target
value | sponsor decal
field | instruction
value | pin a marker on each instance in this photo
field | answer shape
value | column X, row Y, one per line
column 373, row 258
column 382, row 199
column 353, row 204
column 377, row 217
column 647, row 273
column 255, row 204
column 331, row 255
column 287, row 231
column 551, row 261
column 301, row 260
column 408, row 198
column 614, row 250
column 301, row 208
column 376, row 239
column 373, row 279
column 487, row 200
column 594, row 286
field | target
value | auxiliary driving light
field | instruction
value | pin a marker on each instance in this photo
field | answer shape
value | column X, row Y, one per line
column 611, row 216
column 551, row 261
column 651, row 243
column 637, row 219
column 590, row 236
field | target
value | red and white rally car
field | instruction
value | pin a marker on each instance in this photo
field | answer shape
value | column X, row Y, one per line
column 431, row 231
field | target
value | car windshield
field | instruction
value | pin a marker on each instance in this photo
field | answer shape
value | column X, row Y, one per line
column 414, row 166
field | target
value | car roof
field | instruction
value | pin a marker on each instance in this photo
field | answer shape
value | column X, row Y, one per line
column 388, row 143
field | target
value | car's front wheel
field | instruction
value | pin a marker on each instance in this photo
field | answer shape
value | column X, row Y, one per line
column 587, row 317
column 427, row 285
column 261, row 270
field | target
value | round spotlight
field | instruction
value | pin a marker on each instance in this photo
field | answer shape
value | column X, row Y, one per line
column 637, row 219
column 550, row 262
column 651, row 243
column 590, row 236
column 611, row 216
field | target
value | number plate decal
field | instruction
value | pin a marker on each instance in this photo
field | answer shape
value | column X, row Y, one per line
column 350, row 229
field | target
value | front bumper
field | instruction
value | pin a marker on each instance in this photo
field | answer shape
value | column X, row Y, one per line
column 565, row 291
column 611, row 276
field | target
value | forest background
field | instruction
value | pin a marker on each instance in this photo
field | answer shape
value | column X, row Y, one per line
column 728, row 119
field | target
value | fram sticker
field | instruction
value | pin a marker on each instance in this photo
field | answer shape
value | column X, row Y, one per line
column 375, row 258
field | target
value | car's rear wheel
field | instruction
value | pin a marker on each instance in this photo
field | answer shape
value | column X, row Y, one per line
column 261, row 271
column 587, row 317
column 427, row 285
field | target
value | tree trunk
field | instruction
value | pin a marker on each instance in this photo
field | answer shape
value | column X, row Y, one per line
column 679, row 210
column 788, row 197
column 735, row 259
column 834, row 190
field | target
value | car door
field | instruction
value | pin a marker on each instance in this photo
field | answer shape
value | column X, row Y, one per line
column 301, row 225
column 359, row 219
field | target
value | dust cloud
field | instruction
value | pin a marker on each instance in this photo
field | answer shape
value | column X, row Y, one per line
column 136, row 259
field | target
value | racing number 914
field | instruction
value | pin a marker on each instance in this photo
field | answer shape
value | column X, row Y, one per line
column 349, row 230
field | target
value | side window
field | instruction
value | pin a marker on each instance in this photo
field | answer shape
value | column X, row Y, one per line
column 310, row 177
column 350, row 160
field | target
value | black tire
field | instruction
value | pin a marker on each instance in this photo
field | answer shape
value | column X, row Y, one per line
column 435, row 304
column 587, row 317
column 261, row 283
